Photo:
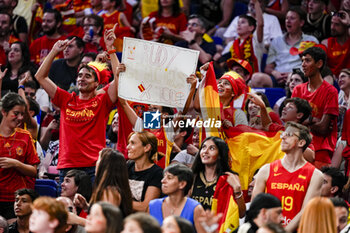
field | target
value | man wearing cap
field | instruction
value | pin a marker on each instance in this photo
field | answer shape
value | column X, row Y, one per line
column 241, row 67
column 338, row 46
column 83, row 116
column 244, row 69
column 264, row 209
column 292, row 179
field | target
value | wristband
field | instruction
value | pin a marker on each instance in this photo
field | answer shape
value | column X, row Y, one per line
column 21, row 87
column 112, row 51
column 217, row 26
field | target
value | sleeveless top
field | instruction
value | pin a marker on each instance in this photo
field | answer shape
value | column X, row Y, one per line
column 155, row 209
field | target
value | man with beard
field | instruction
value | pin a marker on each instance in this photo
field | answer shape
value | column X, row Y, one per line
column 41, row 47
column 323, row 99
column 64, row 71
column 5, row 36
column 24, row 198
column 338, row 46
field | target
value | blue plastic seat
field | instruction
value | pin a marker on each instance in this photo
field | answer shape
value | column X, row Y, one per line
column 46, row 187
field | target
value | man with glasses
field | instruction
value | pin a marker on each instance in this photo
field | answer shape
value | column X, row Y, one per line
column 196, row 39
column 292, row 179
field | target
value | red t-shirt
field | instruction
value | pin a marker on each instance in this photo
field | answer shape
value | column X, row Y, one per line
column 41, row 47
column 338, row 56
column 110, row 19
column 175, row 24
column 290, row 188
column 82, row 128
column 18, row 146
column 323, row 101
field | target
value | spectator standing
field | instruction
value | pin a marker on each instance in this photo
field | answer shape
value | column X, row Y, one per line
column 84, row 116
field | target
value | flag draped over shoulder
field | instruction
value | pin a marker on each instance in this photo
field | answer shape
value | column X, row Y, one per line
column 209, row 100
column 224, row 202
column 250, row 149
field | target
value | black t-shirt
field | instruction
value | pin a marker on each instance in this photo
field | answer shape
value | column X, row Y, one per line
column 141, row 180
column 208, row 47
column 62, row 74
column 19, row 25
column 320, row 28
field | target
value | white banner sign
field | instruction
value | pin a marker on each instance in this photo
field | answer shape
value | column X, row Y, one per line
column 156, row 73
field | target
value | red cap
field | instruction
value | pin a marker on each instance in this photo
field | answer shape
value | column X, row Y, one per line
column 237, row 83
column 243, row 63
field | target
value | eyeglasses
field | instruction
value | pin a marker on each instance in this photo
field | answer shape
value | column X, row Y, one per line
column 289, row 134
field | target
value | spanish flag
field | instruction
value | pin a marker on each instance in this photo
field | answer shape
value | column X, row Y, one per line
column 209, row 100
column 224, row 202
column 250, row 149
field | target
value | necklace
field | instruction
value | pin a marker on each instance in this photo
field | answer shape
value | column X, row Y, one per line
column 173, row 209
column 7, row 145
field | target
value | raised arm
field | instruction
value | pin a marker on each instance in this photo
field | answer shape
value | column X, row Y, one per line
column 260, row 21
column 32, row 125
column 43, row 71
column 261, row 178
column 113, row 87
column 265, row 118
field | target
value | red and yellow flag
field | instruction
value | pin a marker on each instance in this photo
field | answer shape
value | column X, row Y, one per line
column 209, row 100
column 224, row 202
column 250, row 149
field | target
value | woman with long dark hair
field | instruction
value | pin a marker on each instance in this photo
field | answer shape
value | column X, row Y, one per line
column 18, row 62
column 111, row 182
column 210, row 163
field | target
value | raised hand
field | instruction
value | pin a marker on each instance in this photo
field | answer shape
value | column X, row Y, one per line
column 60, row 45
column 110, row 37
column 2, row 73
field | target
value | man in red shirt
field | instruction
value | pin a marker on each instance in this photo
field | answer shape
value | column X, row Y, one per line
column 338, row 46
column 41, row 47
column 323, row 99
column 83, row 117
column 292, row 179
